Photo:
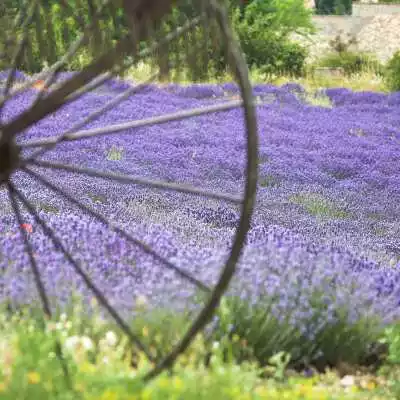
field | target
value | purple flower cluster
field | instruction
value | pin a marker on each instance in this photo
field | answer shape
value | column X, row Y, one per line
column 326, row 219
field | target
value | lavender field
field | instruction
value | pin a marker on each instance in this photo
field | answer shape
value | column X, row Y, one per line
column 327, row 217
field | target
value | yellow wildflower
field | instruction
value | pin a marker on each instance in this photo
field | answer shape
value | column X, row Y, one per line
column 109, row 395
column 163, row 382
column 145, row 331
column 33, row 377
column 147, row 393
column 266, row 393
column 178, row 383
column 87, row 367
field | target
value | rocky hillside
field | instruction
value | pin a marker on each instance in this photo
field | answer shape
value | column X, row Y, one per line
column 378, row 34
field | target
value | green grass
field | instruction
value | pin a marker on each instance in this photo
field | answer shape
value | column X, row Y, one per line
column 97, row 198
column 100, row 368
column 252, row 362
column 49, row 208
column 366, row 80
column 318, row 206
column 115, row 153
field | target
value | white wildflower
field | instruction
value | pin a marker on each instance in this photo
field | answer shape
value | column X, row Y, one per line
column 111, row 338
column 87, row 343
column 141, row 301
column 72, row 343
column 347, row 381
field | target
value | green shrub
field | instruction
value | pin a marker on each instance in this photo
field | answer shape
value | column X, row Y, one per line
column 264, row 335
column 273, row 56
column 392, row 339
column 334, row 7
column 341, row 56
column 392, row 73
column 263, row 30
column 351, row 62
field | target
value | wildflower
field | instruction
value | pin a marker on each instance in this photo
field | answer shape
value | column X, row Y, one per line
column 368, row 384
column 72, row 343
column 87, row 368
column 147, row 393
column 347, row 380
column 27, row 227
column 109, row 395
column 178, row 383
column 163, row 382
column 75, row 343
column 87, row 343
column 111, row 338
column 141, row 301
column 33, row 377
column 39, row 84
column 215, row 346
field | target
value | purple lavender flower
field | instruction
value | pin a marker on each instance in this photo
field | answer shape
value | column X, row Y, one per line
column 326, row 217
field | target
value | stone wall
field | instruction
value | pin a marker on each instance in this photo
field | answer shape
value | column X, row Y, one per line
column 371, row 10
column 375, row 26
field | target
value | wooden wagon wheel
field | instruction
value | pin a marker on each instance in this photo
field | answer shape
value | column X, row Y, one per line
column 111, row 51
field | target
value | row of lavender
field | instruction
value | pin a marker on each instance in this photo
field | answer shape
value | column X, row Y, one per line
column 327, row 214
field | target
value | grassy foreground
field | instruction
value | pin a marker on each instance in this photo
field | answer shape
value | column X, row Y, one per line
column 101, row 367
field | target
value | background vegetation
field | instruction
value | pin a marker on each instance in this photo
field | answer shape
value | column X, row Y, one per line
column 264, row 29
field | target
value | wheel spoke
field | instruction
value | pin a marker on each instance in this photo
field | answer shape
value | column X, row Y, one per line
column 18, row 54
column 162, row 119
column 44, row 74
column 38, row 279
column 60, row 95
column 93, row 116
column 95, row 290
column 81, row 40
column 146, row 248
column 123, row 178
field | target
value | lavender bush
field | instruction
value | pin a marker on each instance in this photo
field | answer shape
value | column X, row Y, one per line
column 324, row 246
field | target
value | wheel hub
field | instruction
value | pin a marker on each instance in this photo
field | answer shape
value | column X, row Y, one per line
column 9, row 158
